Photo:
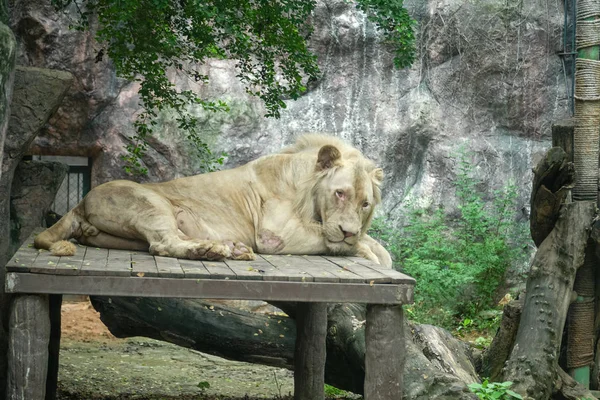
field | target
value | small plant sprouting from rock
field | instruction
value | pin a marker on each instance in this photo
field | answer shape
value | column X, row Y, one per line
column 203, row 385
column 494, row 390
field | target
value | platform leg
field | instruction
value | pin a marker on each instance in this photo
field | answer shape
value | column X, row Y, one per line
column 54, row 346
column 385, row 352
column 28, row 338
column 309, row 355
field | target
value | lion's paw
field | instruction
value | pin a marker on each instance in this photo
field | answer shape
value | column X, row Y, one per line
column 89, row 229
column 239, row 251
column 209, row 250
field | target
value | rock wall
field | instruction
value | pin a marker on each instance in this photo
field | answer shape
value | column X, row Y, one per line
column 34, row 186
column 487, row 78
column 7, row 65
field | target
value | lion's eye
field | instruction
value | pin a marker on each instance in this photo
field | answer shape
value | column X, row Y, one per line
column 340, row 194
column 366, row 204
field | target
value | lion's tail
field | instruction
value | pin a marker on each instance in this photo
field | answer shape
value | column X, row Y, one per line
column 56, row 237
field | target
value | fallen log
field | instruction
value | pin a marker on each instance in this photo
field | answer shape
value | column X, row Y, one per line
column 269, row 339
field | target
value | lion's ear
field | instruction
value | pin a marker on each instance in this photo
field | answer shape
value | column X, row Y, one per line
column 328, row 157
column 377, row 176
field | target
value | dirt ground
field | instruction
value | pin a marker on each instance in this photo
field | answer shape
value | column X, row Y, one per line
column 94, row 365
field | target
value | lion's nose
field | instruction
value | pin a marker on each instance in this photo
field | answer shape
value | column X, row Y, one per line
column 347, row 234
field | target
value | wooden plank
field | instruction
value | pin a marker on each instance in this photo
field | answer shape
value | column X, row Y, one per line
column 28, row 338
column 318, row 268
column 194, row 269
column 143, row 264
column 309, row 351
column 168, row 267
column 118, row 262
column 397, row 276
column 369, row 274
column 385, row 352
column 45, row 263
column 285, row 268
column 219, row 270
column 94, row 262
column 71, row 265
column 343, row 275
column 210, row 289
column 23, row 259
column 270, row 271
column 250, row 270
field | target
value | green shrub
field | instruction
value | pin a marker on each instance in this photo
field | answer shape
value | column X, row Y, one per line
column 459, row 260
column 494, row 391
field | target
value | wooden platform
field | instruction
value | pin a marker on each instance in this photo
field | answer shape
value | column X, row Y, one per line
column 311, row 280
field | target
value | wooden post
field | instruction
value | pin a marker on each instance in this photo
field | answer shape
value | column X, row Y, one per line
column 309, row 355
column 55, row 303
column 28, row 338
column 385, row 352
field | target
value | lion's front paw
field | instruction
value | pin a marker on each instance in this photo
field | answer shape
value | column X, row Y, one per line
column 209, row 250
column 239, row 251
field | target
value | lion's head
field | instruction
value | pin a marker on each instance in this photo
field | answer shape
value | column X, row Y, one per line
column 342, row 193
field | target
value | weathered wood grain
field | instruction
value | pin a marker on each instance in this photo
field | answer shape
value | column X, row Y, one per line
column 169, row 267
column 71, row 265
column 385, row 352
column 286, row 268
column 219, row 270
column 209, row 288
column 94, row 262
column 246, row 270
column 143, row 264
column 369, row 274
column 309, row 354
column 194, row 269
column 397, row 276
column 29, row 335
column 118, row 263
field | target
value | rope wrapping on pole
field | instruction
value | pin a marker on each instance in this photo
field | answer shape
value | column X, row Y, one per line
column 581, row 314
column 587, row 127
column 587, row 9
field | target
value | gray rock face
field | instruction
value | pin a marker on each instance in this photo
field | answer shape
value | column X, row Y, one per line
column 37, row 95
column 487, row 78
column 7, row 64
column 33, row 189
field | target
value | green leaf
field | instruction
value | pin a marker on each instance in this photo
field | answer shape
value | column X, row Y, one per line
column 203, row 385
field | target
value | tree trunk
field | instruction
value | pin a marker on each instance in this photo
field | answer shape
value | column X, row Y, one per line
column 533, row 362
column 269, row 339
column 496, row 355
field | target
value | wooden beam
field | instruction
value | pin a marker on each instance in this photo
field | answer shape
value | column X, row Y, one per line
column 210, row 288
column 385, row 352
column 29, row 335
column 309, row 354
column 55, row 302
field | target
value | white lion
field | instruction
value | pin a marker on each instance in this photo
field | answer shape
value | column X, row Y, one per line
column 314, row 197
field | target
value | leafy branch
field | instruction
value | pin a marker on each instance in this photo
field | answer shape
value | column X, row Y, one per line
column 149, row 39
